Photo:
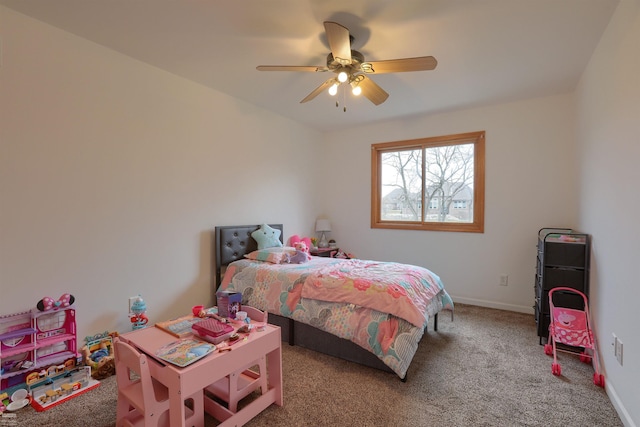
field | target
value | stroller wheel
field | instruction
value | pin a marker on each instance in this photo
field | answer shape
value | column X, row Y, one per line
column 585, row 358
column 548, row 349
column 598, row 379
column 556, row 369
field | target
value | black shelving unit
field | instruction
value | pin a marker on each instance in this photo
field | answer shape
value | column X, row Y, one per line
column 563, row 260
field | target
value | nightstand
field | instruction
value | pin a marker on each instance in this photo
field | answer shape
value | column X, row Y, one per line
column 324, row 252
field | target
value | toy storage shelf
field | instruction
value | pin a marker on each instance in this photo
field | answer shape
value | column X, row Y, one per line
column 17, row 334
column 24, row 336
column 46, row 342
column 23, row 348
column 562, row 260
column 19, row 349
column 54, row 359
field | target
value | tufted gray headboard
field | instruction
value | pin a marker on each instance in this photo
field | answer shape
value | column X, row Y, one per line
column 232, row 242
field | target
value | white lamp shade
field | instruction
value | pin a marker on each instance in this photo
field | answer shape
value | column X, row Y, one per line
column 323, row 225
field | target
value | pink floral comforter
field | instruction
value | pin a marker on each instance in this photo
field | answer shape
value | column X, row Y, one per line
column 367, row 302
column 399, row 289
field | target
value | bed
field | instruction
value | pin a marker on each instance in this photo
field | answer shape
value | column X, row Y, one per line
column 310, row 301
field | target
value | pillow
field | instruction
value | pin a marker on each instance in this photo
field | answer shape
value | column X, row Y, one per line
column 273, row 255
column 267, row 237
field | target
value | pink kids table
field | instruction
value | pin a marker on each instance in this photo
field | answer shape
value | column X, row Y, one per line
column 190, row 379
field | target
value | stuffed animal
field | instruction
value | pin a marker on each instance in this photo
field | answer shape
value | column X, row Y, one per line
column 301, row 255
column 299, row 258
column 295, row 239
column 302, row 247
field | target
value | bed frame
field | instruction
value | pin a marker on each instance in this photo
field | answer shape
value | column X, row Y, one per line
column 232, row 243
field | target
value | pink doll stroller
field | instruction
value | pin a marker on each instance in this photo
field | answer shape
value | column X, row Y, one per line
column 571, row 328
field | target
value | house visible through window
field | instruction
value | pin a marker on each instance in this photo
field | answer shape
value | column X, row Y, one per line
column 429, row 184
column 460, row 204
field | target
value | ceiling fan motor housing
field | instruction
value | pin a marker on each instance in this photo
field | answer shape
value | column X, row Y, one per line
column 356, row 59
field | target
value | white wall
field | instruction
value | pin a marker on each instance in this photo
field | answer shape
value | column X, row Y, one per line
column 608, row 105
column 530, row 182
column 113, row 175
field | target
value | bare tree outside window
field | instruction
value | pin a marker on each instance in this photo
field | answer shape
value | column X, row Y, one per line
column 429, row 184
column 449, row 179
column 402, row 182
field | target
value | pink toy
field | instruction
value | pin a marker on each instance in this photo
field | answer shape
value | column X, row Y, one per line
column 296, row 239
column 572, row 327
column 300, row 256
column 302, row 247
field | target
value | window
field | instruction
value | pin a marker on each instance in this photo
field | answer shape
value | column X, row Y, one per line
column 429, row 184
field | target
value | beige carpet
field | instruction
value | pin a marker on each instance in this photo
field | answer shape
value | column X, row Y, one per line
column 485, row 368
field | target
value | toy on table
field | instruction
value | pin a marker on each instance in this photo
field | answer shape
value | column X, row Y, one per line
column 211, row 312
column 229, row 303
column 137, row 316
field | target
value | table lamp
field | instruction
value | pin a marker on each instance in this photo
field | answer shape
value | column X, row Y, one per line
column 323, row 226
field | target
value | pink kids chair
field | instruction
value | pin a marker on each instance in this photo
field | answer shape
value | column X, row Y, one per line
column 143, row 401
column 244, row 381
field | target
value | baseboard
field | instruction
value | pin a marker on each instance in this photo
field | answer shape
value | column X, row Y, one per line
column 493, row 304
column 619, row 407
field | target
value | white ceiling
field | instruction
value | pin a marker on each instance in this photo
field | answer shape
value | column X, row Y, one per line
column 488, row 51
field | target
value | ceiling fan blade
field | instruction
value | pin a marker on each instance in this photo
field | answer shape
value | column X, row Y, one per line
column 319, row 89
column 311, row 68
column 339, row 42
column 372, row 91
column 422, row 63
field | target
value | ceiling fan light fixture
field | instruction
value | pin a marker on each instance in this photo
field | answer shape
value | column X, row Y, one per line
column 333, row 89
column 343, row 76
column 355, row 81
column 355, row 88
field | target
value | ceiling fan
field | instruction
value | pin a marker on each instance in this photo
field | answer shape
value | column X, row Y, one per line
column 351, row 68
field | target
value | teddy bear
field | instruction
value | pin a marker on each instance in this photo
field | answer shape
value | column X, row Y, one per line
column 301, row 255
column 301, row 246
column 295, row 239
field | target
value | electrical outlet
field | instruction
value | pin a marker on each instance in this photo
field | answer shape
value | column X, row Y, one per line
column 619, row 352
column 614, row 344
column 504, row 280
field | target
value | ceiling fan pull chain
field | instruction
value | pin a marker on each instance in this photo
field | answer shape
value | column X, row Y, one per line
column 344, row 99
